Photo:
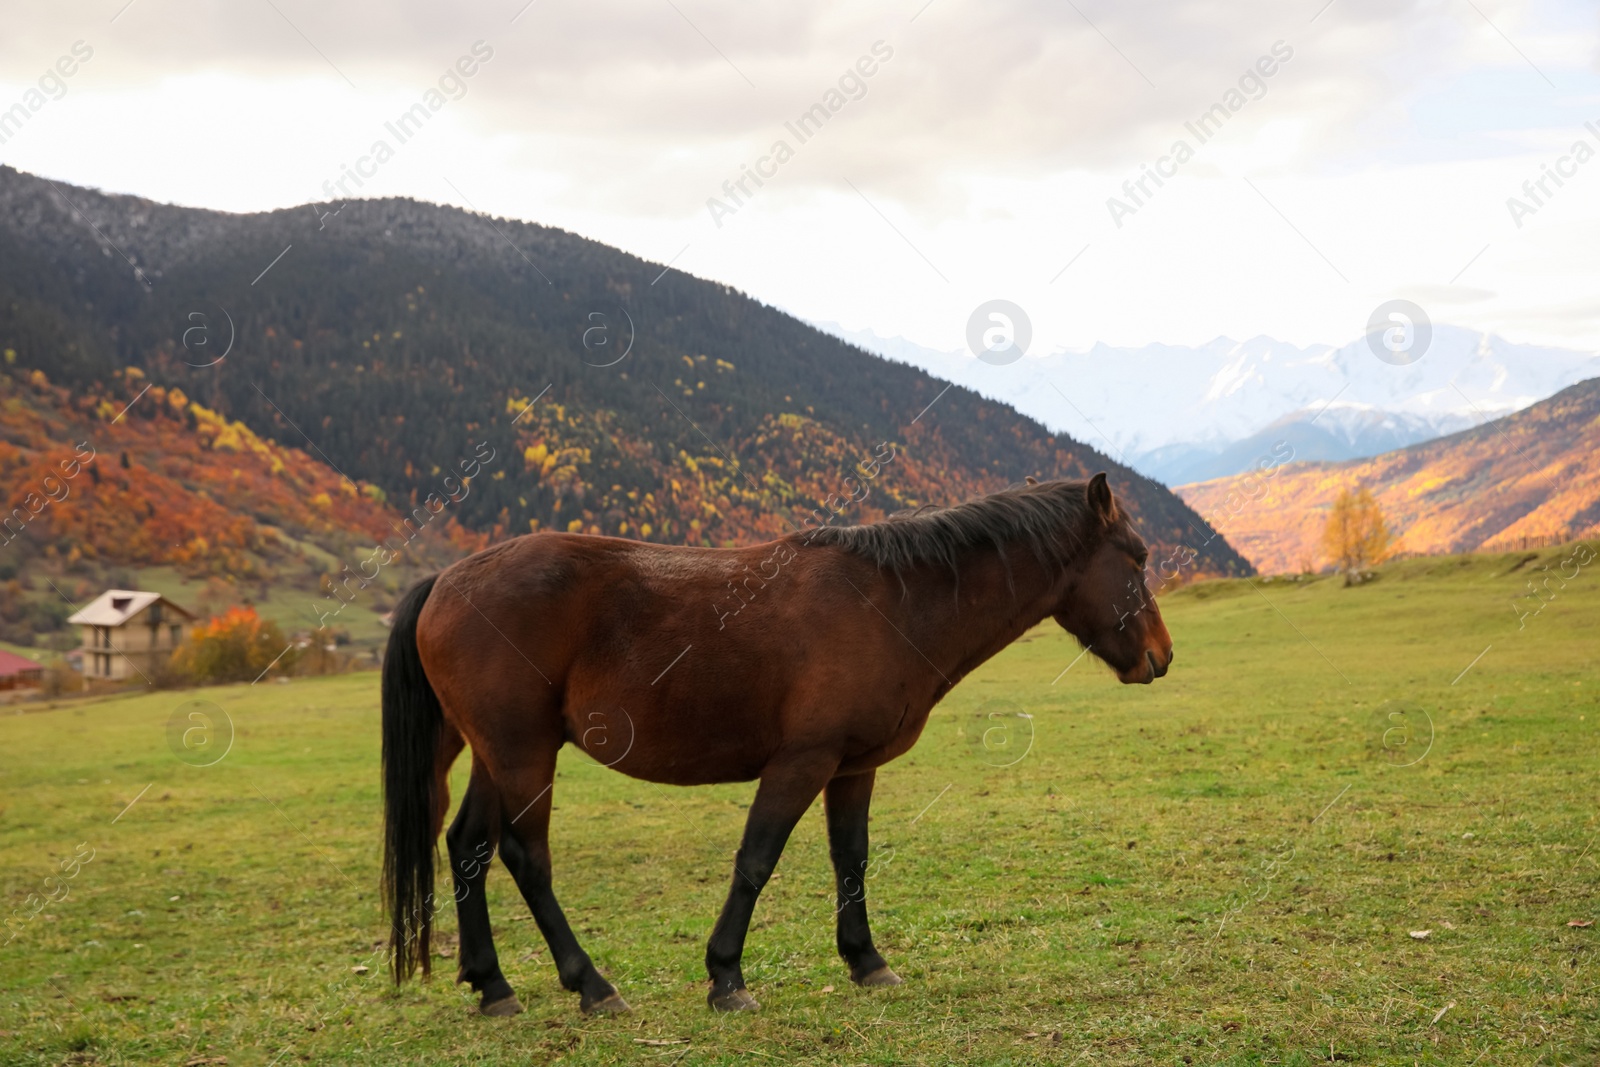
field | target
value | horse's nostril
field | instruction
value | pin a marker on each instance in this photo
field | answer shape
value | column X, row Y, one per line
column 1157, row 668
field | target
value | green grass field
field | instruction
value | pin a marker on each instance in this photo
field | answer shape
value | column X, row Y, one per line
column 1225, row 867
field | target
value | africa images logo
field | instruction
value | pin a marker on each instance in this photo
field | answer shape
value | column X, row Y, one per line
column 1399, row 332
column 999, row 332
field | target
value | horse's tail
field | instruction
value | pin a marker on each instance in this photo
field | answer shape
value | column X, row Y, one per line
column 412, row 719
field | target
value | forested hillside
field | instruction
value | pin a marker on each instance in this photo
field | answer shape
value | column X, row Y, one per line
column 393, row 340
column 98, row 488
column 1529, row 479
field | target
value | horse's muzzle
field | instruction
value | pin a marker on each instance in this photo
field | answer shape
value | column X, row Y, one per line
column 1157, row 669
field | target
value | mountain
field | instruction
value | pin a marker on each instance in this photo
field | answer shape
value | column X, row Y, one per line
column 100, row 483
column 1336, row 432
column 1218, row 401
column 1531, row 478
column 404, row 343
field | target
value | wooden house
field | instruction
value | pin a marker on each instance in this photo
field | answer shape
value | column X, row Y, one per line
column 18, row 672
column 129, row 634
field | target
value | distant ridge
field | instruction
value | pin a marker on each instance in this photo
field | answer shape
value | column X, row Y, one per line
column 1218, row 399
column 1529, row 479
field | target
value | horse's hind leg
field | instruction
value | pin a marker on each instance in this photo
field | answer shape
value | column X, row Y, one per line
column 471, row 841
column 525, row 850
column 846, row 800
column 450, row 746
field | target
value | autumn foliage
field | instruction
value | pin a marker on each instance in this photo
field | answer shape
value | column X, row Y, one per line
column 591, row 471
column 157, row 479
column 1356, row 535
column 162, row 480
column 1526, row 480
column 236, row 646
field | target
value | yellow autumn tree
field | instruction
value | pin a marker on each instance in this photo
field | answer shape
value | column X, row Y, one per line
column 1356, row 535
column 236, row 646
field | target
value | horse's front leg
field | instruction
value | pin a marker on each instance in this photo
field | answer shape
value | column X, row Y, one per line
column 847, row 800
column 787, row 789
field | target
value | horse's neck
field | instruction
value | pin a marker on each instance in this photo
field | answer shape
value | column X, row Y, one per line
column 963, row 618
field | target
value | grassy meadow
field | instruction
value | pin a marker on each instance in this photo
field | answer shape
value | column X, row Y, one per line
column 1230, row 866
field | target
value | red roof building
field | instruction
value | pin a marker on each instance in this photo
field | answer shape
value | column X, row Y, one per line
column 18, row 672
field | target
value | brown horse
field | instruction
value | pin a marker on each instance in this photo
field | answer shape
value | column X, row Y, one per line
column 842, row 641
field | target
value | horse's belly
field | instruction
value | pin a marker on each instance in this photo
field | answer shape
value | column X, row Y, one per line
column 676, row 747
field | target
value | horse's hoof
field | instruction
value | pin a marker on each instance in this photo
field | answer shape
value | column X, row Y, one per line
column 611, row 1005
column 736, row 1000
column 502, row 1007
column 883, row 976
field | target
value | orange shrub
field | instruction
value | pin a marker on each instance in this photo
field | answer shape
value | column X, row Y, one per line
column 236, row 646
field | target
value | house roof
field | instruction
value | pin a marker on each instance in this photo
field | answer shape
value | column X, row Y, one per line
column 10, row 663
column 116, row 606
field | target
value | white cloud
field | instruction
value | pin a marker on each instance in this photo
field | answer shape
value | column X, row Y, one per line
column 990, row 141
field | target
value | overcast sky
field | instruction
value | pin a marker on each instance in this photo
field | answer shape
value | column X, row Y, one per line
column 975, row 160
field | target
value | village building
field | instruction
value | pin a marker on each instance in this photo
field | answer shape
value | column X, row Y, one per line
column 19, row 672
column 129, row 634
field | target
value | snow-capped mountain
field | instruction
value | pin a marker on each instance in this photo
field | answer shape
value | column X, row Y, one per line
column 1182, row 414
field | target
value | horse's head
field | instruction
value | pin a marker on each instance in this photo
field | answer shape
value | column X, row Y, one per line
column 1107, row 605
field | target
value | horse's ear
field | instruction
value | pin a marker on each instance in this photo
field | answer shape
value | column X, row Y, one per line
column 1098, row 492
column 1031, row 480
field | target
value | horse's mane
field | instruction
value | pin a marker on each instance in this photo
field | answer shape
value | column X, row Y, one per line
column 1046, row 516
